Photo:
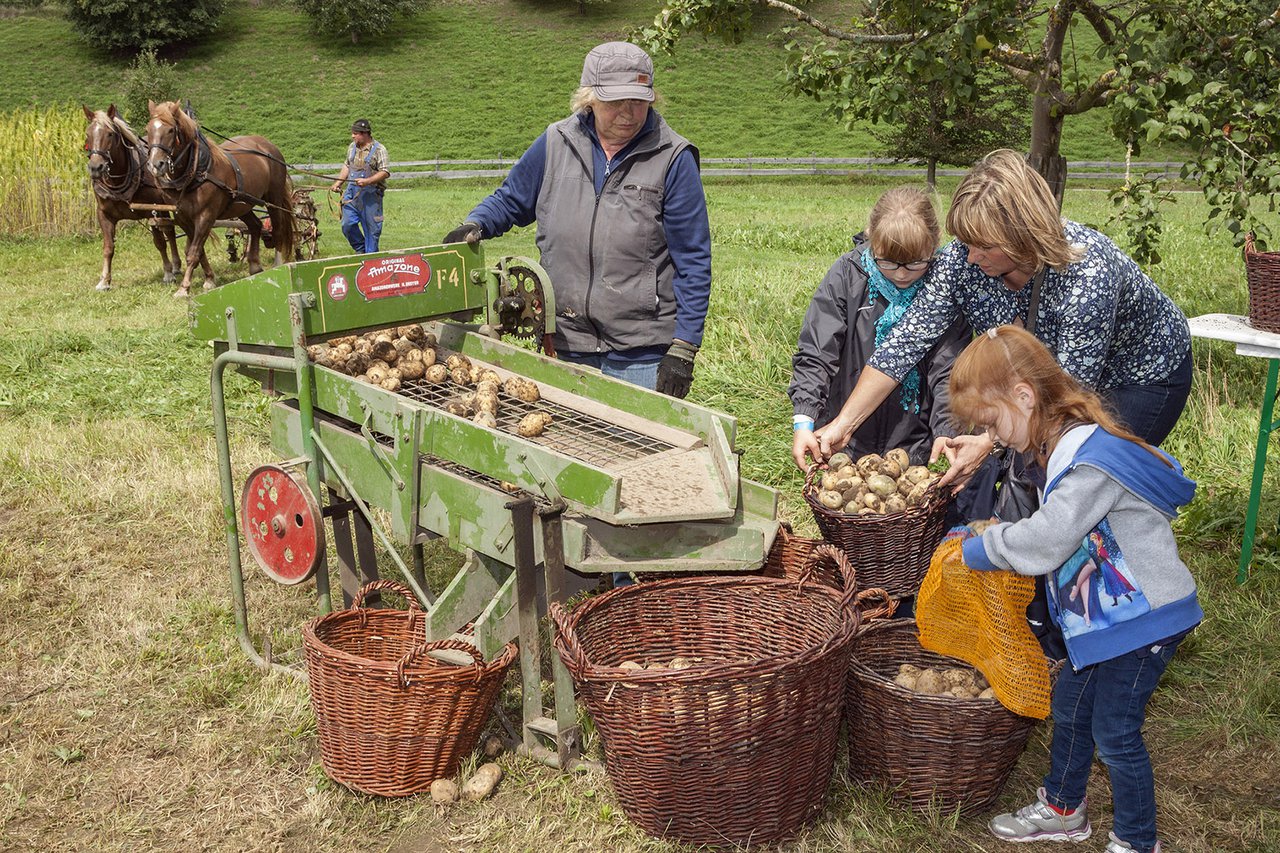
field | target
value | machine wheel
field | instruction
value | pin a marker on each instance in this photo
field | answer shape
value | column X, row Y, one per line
column 282, row 524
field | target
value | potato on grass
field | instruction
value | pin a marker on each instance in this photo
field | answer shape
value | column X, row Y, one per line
column 483, row 782
column 444, row 792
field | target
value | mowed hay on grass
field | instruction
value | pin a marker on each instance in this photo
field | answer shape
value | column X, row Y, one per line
column 131, row 720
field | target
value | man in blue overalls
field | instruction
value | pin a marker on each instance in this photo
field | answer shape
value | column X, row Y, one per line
column 365, row 175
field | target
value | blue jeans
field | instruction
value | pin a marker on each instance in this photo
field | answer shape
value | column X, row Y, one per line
column 1150, row 411
column 642, row 373
column 362, row 218
column 1103, row 707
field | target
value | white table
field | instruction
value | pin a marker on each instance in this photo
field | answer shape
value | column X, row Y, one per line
column 1259, row 344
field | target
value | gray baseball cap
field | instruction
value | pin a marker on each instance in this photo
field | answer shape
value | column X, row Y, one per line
column 619, row 71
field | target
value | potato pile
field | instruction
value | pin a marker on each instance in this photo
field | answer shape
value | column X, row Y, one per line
column 875, row 484
column 960, row 682
column 384, row 358
column 388, row 357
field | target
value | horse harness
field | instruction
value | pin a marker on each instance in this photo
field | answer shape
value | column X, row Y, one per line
column 134, row 175
column 198, row 171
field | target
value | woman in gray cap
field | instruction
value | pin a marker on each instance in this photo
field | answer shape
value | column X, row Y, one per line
column 365, row 174
column 628, row 248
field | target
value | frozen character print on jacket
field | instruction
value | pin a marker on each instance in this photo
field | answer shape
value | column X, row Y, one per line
column 1094, row 589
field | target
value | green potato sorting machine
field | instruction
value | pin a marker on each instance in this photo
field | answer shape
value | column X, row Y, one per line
column 622, row 479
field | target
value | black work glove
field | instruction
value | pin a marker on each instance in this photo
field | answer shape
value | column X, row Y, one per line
column 468, row 232
column 675, row 371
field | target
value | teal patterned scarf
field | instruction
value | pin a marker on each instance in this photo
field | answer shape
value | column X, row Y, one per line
column 899, row 301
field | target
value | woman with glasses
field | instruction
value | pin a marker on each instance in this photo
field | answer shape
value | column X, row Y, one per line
column 863, row 297
column 1102, row 317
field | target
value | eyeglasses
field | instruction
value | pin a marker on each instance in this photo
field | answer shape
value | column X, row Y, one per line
column 887, row 265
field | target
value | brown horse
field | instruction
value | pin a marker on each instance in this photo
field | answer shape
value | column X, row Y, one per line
column 117, row 167
column 212, row 182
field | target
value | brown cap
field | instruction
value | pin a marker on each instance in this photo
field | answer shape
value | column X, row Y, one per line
column 619, row 71
column 361, row 125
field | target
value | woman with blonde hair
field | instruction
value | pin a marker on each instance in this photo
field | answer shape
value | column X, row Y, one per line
column 1015, row 260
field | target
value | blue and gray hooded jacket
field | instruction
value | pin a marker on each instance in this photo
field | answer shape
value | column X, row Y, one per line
column 1102, row 534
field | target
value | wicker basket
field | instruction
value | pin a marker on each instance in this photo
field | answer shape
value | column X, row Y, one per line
column 1262, row 270
column 890, row 552
column 738, row 748
column 789, row 558
column 391, row 718
column 933, row 751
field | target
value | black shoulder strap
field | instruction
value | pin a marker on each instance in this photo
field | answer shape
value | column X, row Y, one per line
column 1034, row 308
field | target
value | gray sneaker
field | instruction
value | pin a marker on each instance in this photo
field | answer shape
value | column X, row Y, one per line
column 1038, row 822
column 1115, row 845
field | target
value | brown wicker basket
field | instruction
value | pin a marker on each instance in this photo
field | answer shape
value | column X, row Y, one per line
column 391, row 718
column 738, row 748
column 1262, row 271
column 933, row 751
column 789, row 558
column 890, row 552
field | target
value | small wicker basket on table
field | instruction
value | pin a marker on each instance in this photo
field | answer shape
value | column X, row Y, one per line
column 889, row 552
column 391, row 718
column 1262, row 272
column 739, row 747
column 932, row 751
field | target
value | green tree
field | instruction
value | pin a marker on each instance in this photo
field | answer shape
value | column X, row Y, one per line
column 127, row 25
column 148, row 79
column 1203, row 74
column 356, row 18
column 936, row 128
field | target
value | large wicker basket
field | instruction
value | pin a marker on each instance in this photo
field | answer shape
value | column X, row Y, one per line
column 391, row 718
column 889, row 552
column 933, row 751
column 1262, row 271
column 738, row 748
column 790, row 556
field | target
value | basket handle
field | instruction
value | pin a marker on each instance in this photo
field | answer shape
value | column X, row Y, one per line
column 389, row 586
column 824, row 552
column 566, row 640
column 422, row 650
column 884, row 611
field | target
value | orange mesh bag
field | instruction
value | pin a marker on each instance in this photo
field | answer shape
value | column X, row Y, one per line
column 980, row 618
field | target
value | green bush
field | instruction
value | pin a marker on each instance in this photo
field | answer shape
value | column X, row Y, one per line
column 148, row 79
column 356, row 18
column 127, row 25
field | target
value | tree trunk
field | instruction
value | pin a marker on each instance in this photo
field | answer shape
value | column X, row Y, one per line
column 932, row 175
column 1046, row 141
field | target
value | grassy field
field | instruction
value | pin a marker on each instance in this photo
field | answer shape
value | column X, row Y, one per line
column 130, row 720
column 462, row 79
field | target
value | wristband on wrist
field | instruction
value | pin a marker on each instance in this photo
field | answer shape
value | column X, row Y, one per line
column 799, row 422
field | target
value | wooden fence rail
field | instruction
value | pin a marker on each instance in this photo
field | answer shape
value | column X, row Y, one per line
column 759, row 167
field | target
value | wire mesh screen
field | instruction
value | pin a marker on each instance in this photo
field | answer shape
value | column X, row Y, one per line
column 584, row 437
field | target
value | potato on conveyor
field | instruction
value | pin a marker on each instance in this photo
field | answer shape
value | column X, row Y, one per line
column 486, row 419
column 533, row 424
column 412, row 369
column 460, row 375
column 522, row 389
column 391, row 383
column 459, row 408
column 436, row 374
column 458, row 360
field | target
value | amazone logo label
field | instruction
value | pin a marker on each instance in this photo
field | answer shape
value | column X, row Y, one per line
column 378, row 279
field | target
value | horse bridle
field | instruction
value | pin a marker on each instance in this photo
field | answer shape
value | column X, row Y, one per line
column 127, row 184
column 188, row 161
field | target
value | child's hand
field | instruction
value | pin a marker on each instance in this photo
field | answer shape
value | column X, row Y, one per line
column 805, row 444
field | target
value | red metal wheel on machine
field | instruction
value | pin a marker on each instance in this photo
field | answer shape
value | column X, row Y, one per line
column 282, row 524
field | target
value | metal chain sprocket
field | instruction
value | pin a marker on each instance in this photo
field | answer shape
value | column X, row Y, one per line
column 522, row 301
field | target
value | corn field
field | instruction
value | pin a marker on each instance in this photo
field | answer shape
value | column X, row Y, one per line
column 44, row 185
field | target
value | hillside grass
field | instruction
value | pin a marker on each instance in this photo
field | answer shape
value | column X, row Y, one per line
column 130, row 720
column 462, row 79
